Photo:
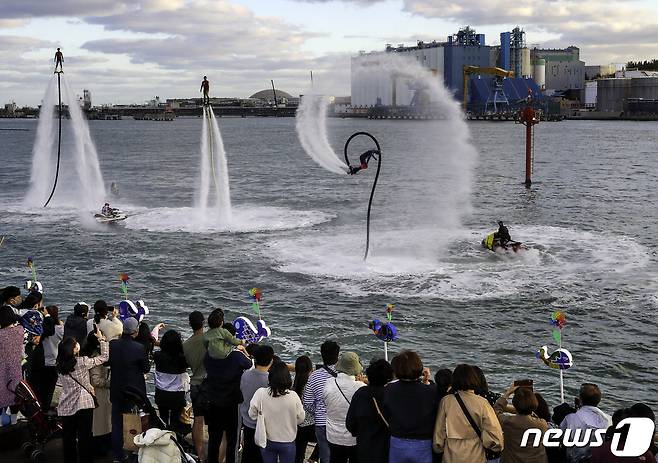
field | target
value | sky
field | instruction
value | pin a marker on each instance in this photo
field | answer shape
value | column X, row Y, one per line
column 129, row 51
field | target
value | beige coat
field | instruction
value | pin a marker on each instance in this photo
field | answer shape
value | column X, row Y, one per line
column 99, row 378
column 455, row 437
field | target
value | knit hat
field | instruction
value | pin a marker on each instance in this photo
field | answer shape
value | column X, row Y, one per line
column 130, row 325
column 349, row 364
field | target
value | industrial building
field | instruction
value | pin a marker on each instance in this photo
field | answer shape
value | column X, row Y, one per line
column 563, row 71
column 464, row 54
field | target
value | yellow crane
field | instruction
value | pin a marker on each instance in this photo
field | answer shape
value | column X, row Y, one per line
column 468, row 70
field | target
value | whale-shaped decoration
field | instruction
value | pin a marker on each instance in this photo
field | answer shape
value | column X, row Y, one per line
column 245, row 330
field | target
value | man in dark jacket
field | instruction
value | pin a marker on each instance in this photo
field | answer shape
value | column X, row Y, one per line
column 222, row 387
column 76, row 324
column 128, row 365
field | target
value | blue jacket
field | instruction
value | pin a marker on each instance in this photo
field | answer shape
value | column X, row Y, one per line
column 128, row 364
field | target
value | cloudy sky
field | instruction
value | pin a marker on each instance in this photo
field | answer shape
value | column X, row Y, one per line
column 131, row 50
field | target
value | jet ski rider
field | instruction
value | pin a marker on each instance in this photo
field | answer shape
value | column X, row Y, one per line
column 503, row 234
column 107, row 210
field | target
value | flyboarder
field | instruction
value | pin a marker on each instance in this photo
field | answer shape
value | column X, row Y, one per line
column 59, row 59
column 205, row 88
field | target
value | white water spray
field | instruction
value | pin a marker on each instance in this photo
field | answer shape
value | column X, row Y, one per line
column 214, row 194
column 311, row 124
column 434, row 164
column 80, row 182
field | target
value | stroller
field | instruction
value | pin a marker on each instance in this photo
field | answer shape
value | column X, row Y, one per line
column 140, row 401
column 42, row 427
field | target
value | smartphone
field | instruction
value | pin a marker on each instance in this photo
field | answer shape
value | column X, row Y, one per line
column 523, row 383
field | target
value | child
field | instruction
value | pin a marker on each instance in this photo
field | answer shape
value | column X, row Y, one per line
column 219, row 341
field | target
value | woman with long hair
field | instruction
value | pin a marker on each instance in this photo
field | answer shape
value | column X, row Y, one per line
column 77, row 401
column 365, row 419
column 171, row 378
column 282, row 412
column 306, row 430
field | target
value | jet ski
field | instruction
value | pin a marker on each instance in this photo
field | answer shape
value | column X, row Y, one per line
column 114, row 216
column 492, row 243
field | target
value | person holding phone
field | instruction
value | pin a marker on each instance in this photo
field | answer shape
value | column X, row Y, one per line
column 515, row 425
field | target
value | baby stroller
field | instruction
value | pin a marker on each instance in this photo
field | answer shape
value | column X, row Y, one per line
column 42, row 427
column 140, row 401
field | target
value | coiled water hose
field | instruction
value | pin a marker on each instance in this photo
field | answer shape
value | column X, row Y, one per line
column 59, row 138
column 365, row 158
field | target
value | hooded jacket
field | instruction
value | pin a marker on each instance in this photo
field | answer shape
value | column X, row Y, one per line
column 157, row 446
column 587, row 417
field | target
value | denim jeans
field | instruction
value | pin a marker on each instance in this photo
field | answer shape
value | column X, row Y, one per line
column 410, row 451
column 323, row 443
column 284, row 451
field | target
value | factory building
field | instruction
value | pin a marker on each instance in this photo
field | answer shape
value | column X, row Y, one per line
column 513, row 54
column 466, row 48
column 564, row 72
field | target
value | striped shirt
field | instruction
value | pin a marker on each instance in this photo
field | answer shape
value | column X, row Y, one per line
column 313, row 398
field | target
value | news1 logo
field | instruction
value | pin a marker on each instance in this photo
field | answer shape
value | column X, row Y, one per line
column 631, row 437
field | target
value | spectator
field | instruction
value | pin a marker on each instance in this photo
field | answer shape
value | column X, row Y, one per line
column 641, row 410
column 251, row 381
column 365, row 419
column 483, row 388
column 306, row 430
column 514, row 426
column 410, row 409
column 454, row 436
column 314, row 395
column 128, row 365
column 11, row 350
column 194, row 351
column 443, row 380
column 221, row 391
column 338, row 394
column 107, row 319
column 588, row 416
column 76, row 323
column 11, row 296
column 554, row 454
column 99, row 378
column 604, row 454
column 77, row 401
column 171, row 379
column 220, row 341
column 53, row 333
column 282, row 412
column 148, row 338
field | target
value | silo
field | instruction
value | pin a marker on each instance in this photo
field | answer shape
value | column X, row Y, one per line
column 526, row 64
column 539, row 72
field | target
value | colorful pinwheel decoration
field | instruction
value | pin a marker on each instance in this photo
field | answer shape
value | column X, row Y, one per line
column 256, row 295
column 124, row 284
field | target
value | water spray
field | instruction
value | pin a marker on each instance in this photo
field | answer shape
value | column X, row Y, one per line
column 364, row 159
column 59, row 137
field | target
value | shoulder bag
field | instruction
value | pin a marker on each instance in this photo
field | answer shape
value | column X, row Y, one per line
column 488, row 454
column 260, row 436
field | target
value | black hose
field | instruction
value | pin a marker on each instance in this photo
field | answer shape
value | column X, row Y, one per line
column 374, row 184
column 59, row 139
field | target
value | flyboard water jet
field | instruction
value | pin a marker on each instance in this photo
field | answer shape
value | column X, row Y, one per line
column 59, row 136
column 364, row 159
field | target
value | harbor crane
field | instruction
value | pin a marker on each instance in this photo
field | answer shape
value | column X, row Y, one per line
column 468, row 70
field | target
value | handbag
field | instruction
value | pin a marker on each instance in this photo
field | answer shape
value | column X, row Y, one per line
column 488, row 453
column 260, row 436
